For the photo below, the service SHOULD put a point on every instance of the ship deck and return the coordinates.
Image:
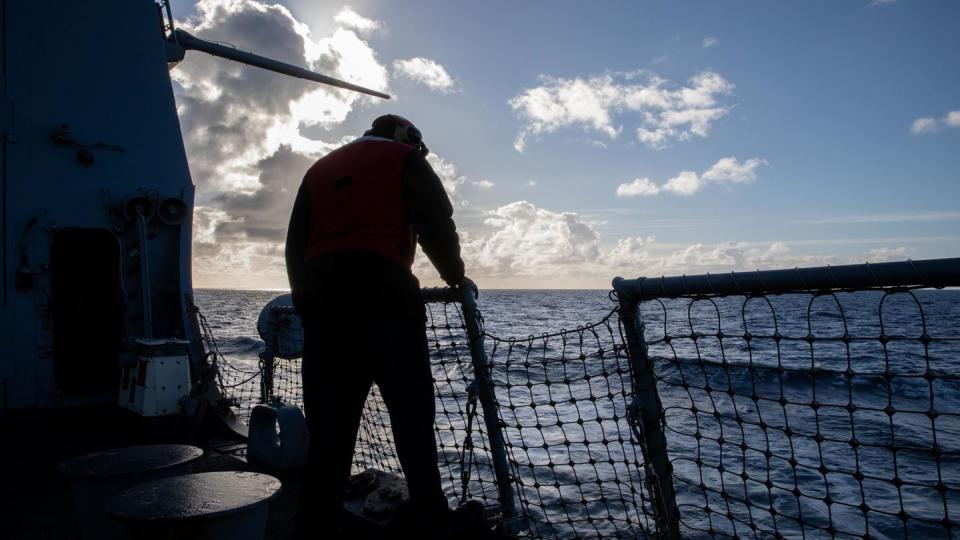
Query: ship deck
(36, 499)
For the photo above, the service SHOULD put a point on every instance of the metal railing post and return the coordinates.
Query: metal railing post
(648, 410)
(267, 361)
(266, 380)
(491, 413)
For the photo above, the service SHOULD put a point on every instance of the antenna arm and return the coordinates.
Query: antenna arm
(187, 42)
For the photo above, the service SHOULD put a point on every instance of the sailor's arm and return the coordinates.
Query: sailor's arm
(432, 215)
(296, 246)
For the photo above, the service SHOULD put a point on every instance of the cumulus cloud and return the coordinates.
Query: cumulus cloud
(665, 112)
(242, 125)
(726, 170)
(238, 236)
(710, 41)
(348, 18)
(528, 240)
(642, 256)
(233, 115)
(263, 215)
(483, 184)
(923, 125)
(532, 246)
(952, 119)
(448, 175)
(639, 256)
(639, 187)
(426, 72)
(929, 124)
(685, 183)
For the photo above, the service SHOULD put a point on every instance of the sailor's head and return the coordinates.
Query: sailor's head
(398, 128)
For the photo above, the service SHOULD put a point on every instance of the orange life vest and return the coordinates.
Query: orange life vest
(356, 201)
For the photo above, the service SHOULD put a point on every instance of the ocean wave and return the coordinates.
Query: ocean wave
(240, 345)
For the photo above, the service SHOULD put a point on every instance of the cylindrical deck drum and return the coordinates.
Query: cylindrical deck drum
(96, 477)
(227, 505)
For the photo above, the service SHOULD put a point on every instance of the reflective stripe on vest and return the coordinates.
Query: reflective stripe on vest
(356, 201)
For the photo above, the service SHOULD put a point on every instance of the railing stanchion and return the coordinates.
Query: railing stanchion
(491, 413)
(649, 410)
(267, 365)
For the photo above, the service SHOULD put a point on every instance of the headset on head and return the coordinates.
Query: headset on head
(404, 132)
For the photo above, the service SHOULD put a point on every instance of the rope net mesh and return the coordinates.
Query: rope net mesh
(238, 384)
(810, 415)
(463, 450)
(563, 404)
(798, 415)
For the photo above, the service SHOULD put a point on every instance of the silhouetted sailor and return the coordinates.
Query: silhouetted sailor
(358, 216)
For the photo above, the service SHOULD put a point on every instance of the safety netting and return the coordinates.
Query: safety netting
(564, 400)
(811, 415)
(801, 415)
(238, 385)
(463, 450)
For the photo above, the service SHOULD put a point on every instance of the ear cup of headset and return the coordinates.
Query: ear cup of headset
(414, 136)
(409, 134)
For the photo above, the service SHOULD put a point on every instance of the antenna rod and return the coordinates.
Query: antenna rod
(190, 42)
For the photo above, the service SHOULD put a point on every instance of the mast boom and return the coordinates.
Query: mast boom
(191, 43)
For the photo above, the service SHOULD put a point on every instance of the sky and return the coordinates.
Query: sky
(579, 141)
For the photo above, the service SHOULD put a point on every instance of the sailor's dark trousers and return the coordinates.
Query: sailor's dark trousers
(341, 358)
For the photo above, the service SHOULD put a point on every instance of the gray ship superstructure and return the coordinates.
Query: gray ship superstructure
(97, 200)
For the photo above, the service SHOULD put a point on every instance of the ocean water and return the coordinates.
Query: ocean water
(233, 313)
(792, 415)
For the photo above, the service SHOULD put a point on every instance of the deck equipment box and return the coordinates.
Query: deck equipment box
(159, 381)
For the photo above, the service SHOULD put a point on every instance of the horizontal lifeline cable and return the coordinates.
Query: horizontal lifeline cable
(937, 273)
